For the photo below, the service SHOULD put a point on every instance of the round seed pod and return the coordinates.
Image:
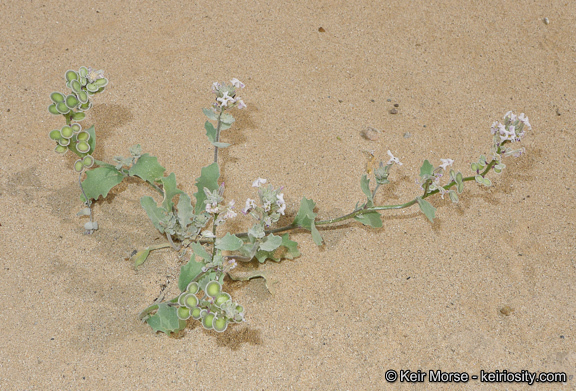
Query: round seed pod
(91, 87)
(88, 161)
(55, 135)
(196, 313)
(62, 108)
(71, 75)
(207, 321)
(83, 72)
(239, 308)
(75, 86)
(213, 288)
(183, 313)
(64, 142)
(190, 300)
(78, 166)
(83, 136)
(101, 82)
(222, 298)
(83, 147)
(72, 101)
(66, 131)
(82, 96)
(85, 106)
(220, 324)
(57, 97)
(61, 149)
(78, 116)
(193, 287)
(52, 109)
(76, 128)
(83, 81)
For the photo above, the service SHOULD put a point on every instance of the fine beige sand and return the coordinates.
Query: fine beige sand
(490, 285)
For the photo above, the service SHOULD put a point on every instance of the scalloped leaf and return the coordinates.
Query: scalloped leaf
(170, 191)
(155, 213)
(100, 181)
(371, 219)
(147, 168)
(272, 243)
(231, 242)
(208, 179)
(189, 272)
(166, 320)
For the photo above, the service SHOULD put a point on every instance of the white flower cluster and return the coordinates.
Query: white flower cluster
(273, 204)
(226, 94)
(214, 206)
(512, 129)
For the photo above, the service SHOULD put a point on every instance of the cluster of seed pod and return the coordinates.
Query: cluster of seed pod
(215, 310)
(82, 84)
(73, 137)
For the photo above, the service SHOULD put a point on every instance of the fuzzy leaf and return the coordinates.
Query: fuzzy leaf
(209, 179)
(426, 169)
(371, 219)
(220, 145)
(201, 252)
(305, 219)
(189, 272)
(140, 257)
(255, 274)
(227, 118)
(262, 256)
(427, 208)
(185, 210)
(272, 243)
(166, 320)
(365, 185)
(155, 214)
(170, 191)
(229, 243)
(147, 168)
(210, 131)
(100, 181)
(210, 114)
(291, 247)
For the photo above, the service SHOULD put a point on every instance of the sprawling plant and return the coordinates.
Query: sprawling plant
(199, 228)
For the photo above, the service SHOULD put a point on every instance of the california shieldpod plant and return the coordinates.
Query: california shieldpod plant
(196, 227)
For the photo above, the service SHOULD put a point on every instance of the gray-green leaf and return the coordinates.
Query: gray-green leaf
(147, 168)
(208, 179)
(100, 181)
(229, 243)
(371, 219)
(166, 320)
(427, 208)
(272, 243)
(426, 169)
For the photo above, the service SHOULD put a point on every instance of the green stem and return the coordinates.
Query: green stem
(376, 208)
